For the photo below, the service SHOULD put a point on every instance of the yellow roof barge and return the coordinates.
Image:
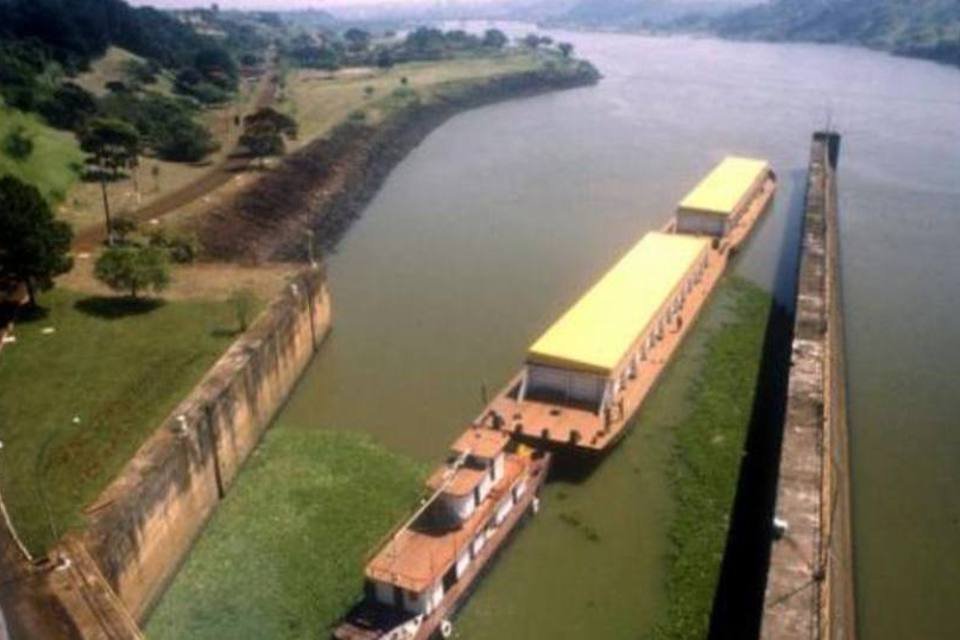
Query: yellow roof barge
(586, 377)
(583, 380)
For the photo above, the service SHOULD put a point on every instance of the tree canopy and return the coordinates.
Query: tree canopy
(264, 131)
(112, 144)
(132, 269)
(34, 245)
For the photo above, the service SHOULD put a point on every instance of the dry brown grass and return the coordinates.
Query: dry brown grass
(83, 206)
(320, 100)
(201, 281)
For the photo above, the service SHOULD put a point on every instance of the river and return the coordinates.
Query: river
(503, 215)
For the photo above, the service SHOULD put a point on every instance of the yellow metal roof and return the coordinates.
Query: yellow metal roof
(596, 332)
(724, 187)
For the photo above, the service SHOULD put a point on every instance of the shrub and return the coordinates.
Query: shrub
(18, 144)
(132, 269)
(243, 302)
(122, 227)
(182, 249)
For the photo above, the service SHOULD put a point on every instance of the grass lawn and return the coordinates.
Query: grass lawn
(283, 556)
(706, 458)
(321, 100)
(52, 166)
(76, 403)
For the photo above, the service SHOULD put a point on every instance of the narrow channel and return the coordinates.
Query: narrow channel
(505, 214)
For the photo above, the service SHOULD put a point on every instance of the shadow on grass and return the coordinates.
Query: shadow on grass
(114, 308)
(223, 332)
(22, 314)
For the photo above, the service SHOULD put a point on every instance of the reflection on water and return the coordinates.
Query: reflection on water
(504, 215)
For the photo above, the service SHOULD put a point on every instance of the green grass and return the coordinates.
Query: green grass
(118, 370)
(53, 164)
(283, 556)
(319, 100)
(111, 67)
(706, 458)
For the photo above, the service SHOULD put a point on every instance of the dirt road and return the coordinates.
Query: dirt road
(217, 176)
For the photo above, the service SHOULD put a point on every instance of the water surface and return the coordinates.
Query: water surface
(505, 214)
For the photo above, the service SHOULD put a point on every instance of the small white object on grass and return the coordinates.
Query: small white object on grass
(47, 331)
(9, 339)
(76, 419)
(154, 221)
(83, 255)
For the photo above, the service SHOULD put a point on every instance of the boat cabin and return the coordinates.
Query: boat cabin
(473, 493)
(718, 202)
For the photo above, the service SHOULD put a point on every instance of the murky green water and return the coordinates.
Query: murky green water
(506, 213)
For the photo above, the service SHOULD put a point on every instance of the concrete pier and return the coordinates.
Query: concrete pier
(809, 591)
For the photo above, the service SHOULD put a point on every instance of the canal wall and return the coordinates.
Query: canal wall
(328, 183)
(809, 589)
(141, 528)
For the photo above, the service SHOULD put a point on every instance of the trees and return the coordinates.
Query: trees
(133, 269)
(33, 245)
(566, 49)
(216, 66)
(532, 40)
(494, 39)
(112, 145)
(385, 58)
(69, 107)
(264, 131)
(165, 124)
(358, 39)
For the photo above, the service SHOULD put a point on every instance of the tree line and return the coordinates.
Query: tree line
(330, 50)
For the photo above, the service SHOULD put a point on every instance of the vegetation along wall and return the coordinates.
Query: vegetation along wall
(143, 525)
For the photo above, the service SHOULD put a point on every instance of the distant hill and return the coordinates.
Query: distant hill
(74, 32)
(640, 14)
(921, 28)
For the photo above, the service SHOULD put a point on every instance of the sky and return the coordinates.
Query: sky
(287, 4)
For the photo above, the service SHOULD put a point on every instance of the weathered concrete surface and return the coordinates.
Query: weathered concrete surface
(809, 592)
(98, 583)
(142, 526)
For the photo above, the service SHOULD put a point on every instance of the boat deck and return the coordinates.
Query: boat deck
(371, 620)
(564, 426)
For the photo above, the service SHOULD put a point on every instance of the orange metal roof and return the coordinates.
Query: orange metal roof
(415, 560)
(461, 482)
(482, 443)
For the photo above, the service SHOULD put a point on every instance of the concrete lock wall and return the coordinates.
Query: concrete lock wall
(142, 526)
(810, 583)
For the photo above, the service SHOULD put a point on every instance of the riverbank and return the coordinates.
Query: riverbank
(326, 184)
(283, 556)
